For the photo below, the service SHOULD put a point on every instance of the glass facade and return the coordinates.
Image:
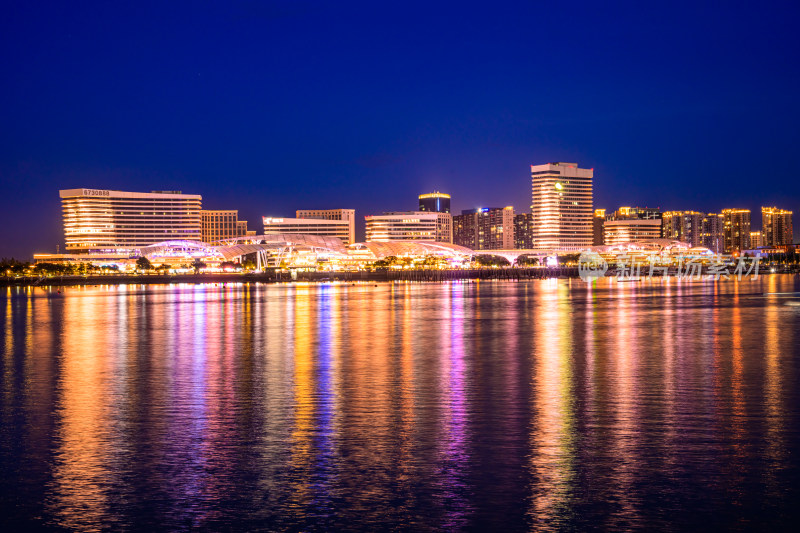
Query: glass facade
(435, 202)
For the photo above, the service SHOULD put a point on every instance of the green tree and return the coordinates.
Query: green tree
(13, 267)
(52, 269)
(144, 263)
(527, 260)
(491, 260)
(197, 265)
(564, 259)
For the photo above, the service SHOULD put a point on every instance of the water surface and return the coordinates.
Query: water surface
(546, 404)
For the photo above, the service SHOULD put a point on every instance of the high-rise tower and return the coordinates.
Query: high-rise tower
(561, 205)
(435, 202)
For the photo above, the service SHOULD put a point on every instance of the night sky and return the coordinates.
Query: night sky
(272, 107)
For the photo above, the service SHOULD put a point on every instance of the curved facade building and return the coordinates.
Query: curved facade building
(99, 219)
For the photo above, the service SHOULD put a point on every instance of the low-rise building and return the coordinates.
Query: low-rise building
(631, 230)
(409, 226)
(344, 215)
(340, 229)
(221, 224)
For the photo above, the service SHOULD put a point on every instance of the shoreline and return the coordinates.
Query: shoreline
(512, 274)
(508, 274)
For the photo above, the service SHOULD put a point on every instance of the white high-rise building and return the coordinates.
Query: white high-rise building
(561, 206)
(106, 220)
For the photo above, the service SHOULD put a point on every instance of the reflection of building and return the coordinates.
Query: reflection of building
(348, 215)
(736, 229)
(598, 220)
(308, 226)
(685, 226)
(485, 228)
(435, 202)
(523, 231)
(776, 227)
(97, 219)
(631, 230)
(409, 226)
(217, 225)
(561, 204)
(712, 233)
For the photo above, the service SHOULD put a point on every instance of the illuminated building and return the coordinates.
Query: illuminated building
(485, 228)
(105, 220)
(523, 231)
(444, 227)
(630, 230)
(435, 202)
(712, 232)
(348, 215)
(644, 213)
(598, 222)
(218, 225)
(776, 226)
(409, 226)
(341, 229)
(657, 251)
(684, 226)
(755, 239)
(736, 229)
(561, 205)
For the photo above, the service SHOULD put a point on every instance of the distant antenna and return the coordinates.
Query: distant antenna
(57, 245)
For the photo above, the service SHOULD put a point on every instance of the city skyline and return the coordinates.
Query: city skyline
(409, 204)
(99, 221)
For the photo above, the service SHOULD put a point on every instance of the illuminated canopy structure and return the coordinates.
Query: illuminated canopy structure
(381, 250)
(664, 248)
(180, 249)
(281, 243)
(310, 251)
(660, 246)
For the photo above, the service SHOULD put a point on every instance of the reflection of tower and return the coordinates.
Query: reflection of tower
(302, 436)
(435, 202)
(553, 433)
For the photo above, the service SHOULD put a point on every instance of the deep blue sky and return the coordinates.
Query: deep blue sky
(270, 107)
